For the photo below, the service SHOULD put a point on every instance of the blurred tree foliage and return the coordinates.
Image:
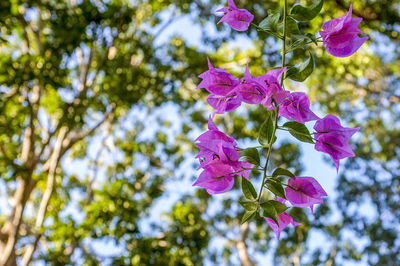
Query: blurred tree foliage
(90, 82)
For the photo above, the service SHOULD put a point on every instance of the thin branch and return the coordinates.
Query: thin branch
(171, 19)
(241, 246)
(53, 164)
(73, 138)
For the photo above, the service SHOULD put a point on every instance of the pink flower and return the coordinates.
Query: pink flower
(216, 178)
(221, 85)
(250, 90)
(238, 19)
(304, 191)
(215, 145)
(297, 107)
(340, 35)
(332, 138)
(223, 104)
(262, 89)
(219, 157)
(284, 220)
(217, 81)
(274, 91)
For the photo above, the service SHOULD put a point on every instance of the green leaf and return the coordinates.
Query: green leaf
(279, 207)
(268, 210)
(249, 205)
(275, 186)
(312, 38)
(280, 171)
(248, 190)
(292, 28)
(302, 71)
(270, 23)
(250, 155)
(299, 131)
(247, 216)
(301, 13)
(300, 41)
(266, 131)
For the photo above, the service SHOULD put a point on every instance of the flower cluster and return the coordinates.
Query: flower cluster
(219, 154)
(219, 157)
(228, 92)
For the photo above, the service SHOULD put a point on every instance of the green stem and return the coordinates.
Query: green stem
(268, 154)
(297, 132)
(284, 38)
(277, 107)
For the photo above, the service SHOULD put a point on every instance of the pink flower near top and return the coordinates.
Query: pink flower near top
(332, 138)
(297, 107)
(304, 191)
(221, 85)
(250, 90)
(263, 89)
(284, 220)
(238, 19)
(340, 35)
(223, 104)
(217, 81)
(274, 91)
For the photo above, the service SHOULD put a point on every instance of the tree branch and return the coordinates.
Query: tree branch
(53, 163)
(241, 246)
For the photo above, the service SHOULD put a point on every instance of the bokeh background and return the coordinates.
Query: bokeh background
(99, 110)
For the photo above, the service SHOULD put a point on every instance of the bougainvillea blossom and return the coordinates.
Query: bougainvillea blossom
(274, 91)
(297, 107)
(332, 138)
(219, 157)
(223, 104)
(284, 220)
(214, 144)
(250, 90)
(216, 178)
(340, 35)
(217, 81)
(304, 191)
(238, 19)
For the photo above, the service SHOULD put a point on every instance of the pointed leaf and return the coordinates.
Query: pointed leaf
(266, 130)
(248, 190)
(299, 131)
(249, 205)
(270, 23)
(279, 207)
(275, 186)
(250, 155)
(292, 28)
(268, 210)
(302, 71)
(247, 216)
(312, 38)
(301, 13)
(280, 171)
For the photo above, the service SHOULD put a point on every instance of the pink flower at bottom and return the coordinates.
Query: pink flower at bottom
(284, 220)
